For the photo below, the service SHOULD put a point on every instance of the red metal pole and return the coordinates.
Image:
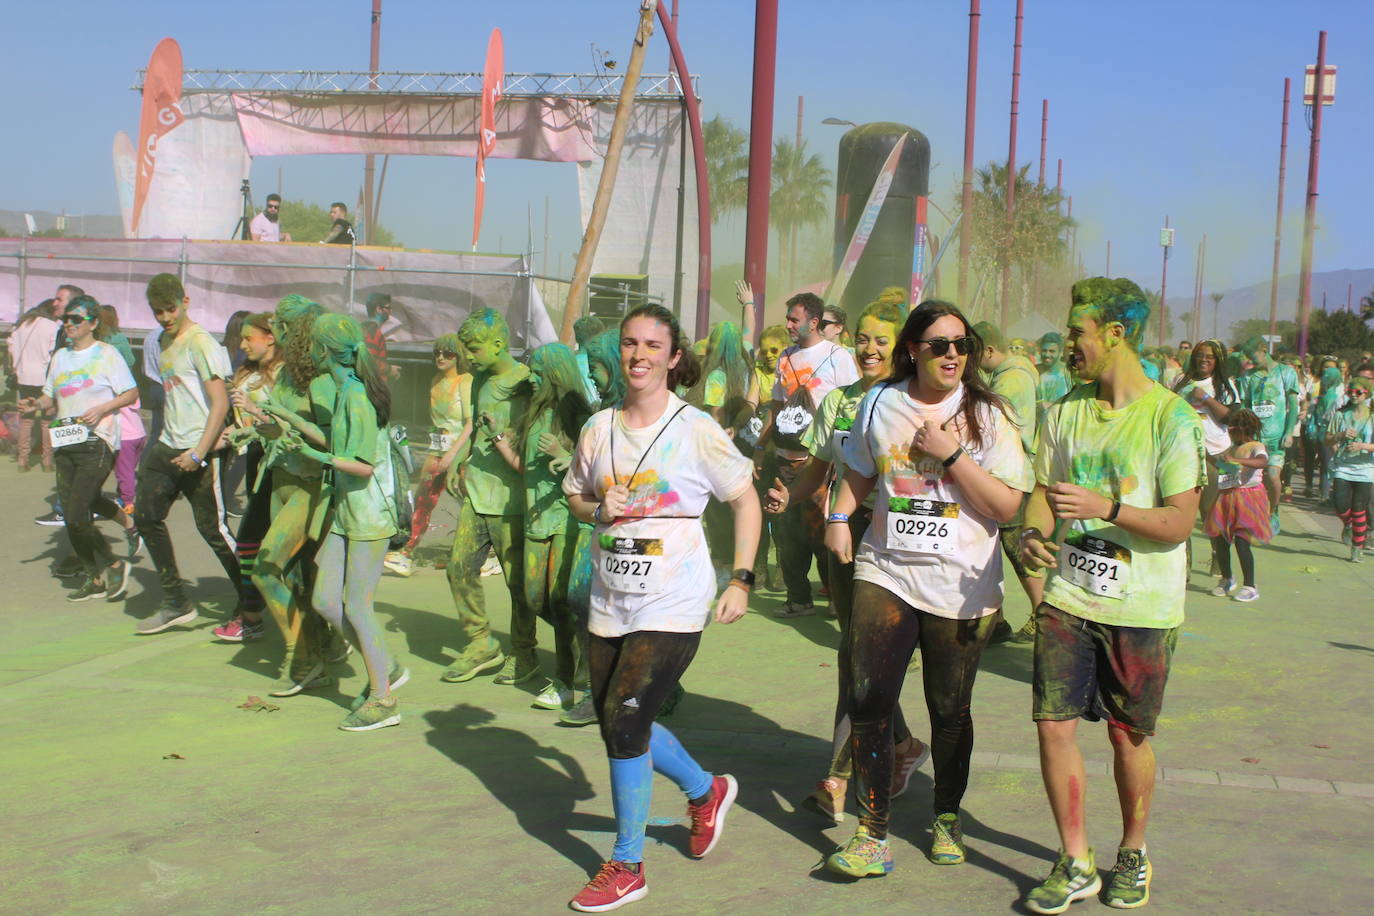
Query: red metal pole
(760, 154)
(1163, 287)
(1044, 136)
(1059, 180)
(1310, 218)
(703, 323)
(966, 200)
(1278, 218)
(370, 162)
(1011, 155)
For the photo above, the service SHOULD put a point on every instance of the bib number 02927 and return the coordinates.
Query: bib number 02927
(634, 566)
(922, 525)
(1096, 565)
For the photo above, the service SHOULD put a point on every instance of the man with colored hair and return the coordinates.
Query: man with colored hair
(490, 516)
(184, 461)
(1270, 391)
(1119, 471)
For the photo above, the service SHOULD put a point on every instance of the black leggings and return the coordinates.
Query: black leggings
(1221, 549)
(631, 677)
(884, 632)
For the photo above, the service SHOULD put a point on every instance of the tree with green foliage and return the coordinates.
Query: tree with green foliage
(798, 199)
(1340, 332)
(727, 166)
(307, 222)
(1247, 328)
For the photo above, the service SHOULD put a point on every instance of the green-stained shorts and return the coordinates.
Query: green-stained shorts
(1275, 449)
(1098, 671)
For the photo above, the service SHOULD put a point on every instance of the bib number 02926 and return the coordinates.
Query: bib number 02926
(634, 566)
(1096, 565)
(922, 525)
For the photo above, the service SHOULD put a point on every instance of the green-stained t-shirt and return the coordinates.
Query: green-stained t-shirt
(492, 486)
(317, 406)
(546, 508)
(1265, 391)
(1347, 463)
(185, 365)
(1017, 383)
(826, 436)
(1054, 383)
(1143, 453)
(361, 512)
(714, 394)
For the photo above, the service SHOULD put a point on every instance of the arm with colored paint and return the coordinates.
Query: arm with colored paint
(308, 430)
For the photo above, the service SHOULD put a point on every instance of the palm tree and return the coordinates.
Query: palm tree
(799, 198)
(727, 166)
(1216, 313)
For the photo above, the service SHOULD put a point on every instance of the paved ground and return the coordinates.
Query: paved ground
(135, 784)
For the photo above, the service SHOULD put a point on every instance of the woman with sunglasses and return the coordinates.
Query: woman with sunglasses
(948, 466)
(1351, 438)
(450, 416)
(88, 383)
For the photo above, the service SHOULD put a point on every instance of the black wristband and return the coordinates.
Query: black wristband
(953, 458)
(1116, 510)
(744, 577)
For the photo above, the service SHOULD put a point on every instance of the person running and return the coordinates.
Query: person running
(183, 461)
(1270, 391)
(88, 384)
(450, 417)
(642, 473)
(948, 467)
(361, 518)
(1240, 512)
(1118, 475)
(825, 438)
(249, 389)
(1351, 438)
(540, 449)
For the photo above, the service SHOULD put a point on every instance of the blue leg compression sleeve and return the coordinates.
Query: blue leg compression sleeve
(631, 788)
(672, 760)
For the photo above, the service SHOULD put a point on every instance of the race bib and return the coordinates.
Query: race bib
(922, 525)
(634, 566)
(840, 436)
(1228, 475)
(72, 432)
(1096, 565)
(440, 441)
(1265, 411)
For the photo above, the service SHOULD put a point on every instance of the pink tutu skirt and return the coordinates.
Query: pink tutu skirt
(1241, 512)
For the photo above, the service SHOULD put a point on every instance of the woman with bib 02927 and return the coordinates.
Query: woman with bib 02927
(642, 473)
(949, 468)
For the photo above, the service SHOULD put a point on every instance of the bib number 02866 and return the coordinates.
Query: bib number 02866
(69, 432)
(922, 525)
(634, 566)
(1096, 565)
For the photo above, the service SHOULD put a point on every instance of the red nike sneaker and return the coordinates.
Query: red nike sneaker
(614, 886)
(708, 820)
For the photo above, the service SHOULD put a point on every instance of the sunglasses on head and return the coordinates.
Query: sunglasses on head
(446, 354)
(940, 345)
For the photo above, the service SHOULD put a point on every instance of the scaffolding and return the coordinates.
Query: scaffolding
(363, 82)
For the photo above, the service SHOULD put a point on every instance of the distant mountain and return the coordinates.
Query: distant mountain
(1253, 301)
(89, 225)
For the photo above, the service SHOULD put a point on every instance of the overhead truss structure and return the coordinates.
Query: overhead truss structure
(363, 82)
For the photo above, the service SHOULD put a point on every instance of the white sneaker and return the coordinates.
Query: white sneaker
(492, 567)
(1247, 593)
(555, 695)
(1223, 588)
(397, 563)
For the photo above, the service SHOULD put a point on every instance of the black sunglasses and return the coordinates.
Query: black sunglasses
(940, 345)
(75, 319)
(446, 354)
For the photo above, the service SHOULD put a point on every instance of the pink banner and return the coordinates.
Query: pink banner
(545, 129)
(161, 92)
(491, 94)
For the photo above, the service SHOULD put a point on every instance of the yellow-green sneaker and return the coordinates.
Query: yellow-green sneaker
(1129, 886)
(375, 713)
(946, 840)
(862, 856)
(1067, 882)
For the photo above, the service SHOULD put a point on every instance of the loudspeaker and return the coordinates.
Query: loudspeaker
(613, 295)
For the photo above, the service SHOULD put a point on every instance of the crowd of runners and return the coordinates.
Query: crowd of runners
(636, 487)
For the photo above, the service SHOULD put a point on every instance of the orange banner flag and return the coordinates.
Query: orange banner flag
(493, 76)
(161, 95)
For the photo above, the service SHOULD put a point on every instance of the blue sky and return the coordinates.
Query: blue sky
(1161, 107)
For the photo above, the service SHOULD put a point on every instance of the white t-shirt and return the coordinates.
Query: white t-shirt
(652, 570)
(264, 229)
(821, 368)
(185, 365)
(927, 544)
(81, 379)
(1215, 437)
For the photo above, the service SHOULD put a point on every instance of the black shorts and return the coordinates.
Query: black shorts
(1098, 671)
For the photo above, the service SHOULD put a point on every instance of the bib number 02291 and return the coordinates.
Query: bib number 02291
(634, 566)
(922, 525)
(1096, 565)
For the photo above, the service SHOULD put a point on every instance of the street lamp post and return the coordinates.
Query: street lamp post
(1166, 241)
(1323, 94)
